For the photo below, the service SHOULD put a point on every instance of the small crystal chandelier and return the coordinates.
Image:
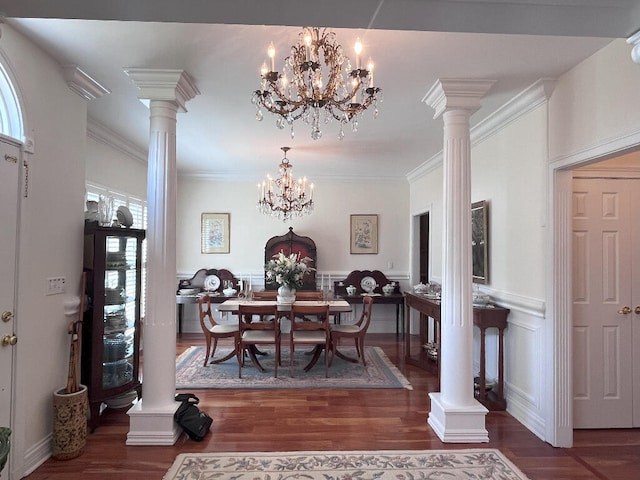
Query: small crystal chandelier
(285, 197)
(317, 84)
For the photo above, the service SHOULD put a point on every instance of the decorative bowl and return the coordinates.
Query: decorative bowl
(481, 299)
(421, 288)
(188, 291)
(229, 292)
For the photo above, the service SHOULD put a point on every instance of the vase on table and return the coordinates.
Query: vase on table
(286, 294)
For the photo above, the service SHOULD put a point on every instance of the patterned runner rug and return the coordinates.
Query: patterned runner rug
(379, 372)
(475, 464)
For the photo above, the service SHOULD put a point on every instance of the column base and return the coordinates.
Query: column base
(455, 424)
(152, 426)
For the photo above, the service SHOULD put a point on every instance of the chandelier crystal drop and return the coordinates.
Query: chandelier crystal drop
(284, 197)
(317, 84)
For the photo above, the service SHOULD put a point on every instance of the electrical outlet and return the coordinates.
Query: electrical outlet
(55, 285)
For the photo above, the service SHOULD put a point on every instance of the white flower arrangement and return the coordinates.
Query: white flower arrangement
(288, 269)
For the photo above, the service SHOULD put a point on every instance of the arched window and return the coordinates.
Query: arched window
(11, 123)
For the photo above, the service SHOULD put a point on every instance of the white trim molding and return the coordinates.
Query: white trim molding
(82, 84)
(102, 134)
(535, 95)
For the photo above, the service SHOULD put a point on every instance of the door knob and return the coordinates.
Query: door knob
(9, 340)
(7, 316)
(624, 311)
(638, 310)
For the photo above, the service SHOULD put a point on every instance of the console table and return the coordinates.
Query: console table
(182, 300)
(379, 297)
(197, 282)
(483, 318)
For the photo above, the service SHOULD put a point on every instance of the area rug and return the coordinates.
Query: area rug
(379, 372)
(400, 465)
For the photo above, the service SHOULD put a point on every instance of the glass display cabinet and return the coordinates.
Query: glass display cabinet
(111, 326)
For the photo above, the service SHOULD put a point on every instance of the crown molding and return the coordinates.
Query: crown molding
(530, 98)
(244, 177)
(82, 84)
(425, 168)
(102, 134)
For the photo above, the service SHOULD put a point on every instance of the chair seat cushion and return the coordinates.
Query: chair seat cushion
(225, 328)
(345, 328)
(317, 336)
(259, 336)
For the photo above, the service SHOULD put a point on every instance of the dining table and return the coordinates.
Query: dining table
(336, 307)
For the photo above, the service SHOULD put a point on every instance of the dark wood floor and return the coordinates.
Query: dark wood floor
(288, 420)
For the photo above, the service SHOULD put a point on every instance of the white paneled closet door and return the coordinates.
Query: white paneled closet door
(9, 182)
(606, 303)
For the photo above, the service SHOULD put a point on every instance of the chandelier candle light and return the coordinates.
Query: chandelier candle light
(285, 197)
(317, 82)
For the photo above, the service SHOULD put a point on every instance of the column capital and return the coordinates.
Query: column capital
(456, 93)
(635, 51)
(163, 84)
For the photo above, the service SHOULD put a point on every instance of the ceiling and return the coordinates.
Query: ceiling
(222, 44)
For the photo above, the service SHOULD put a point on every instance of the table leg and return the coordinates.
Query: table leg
(252, 354)
(316, 355)
(180, 315)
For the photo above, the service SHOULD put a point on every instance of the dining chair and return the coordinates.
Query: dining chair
(265, 295)
(310, 326)
(356, 331)
(309, 295)
(213, 331)
(264, 331)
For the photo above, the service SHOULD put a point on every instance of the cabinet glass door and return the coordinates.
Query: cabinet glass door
(119, 310)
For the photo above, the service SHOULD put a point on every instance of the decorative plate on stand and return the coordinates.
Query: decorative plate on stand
(211, 283)
(368, 284)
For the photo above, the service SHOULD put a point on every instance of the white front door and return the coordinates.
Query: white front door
(606, 283)
(9, 179)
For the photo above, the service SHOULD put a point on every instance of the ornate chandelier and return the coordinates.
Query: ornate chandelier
(317, 84)
(285, 197)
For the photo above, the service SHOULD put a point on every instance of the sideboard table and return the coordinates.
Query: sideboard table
(483, 317)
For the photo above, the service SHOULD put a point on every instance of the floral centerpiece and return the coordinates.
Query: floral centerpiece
(288, 271)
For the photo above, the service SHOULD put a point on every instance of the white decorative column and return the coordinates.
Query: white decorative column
(456, 416)
(151, 418)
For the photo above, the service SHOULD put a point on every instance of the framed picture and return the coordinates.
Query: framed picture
(215, 233)
(480, 242)
(364, 234)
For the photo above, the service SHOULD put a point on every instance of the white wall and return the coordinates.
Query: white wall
(595, 105)
(51, 226)
(123, 171)
(328, 226)
(508, 170)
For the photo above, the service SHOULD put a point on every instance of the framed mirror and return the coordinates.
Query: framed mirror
(480, 241)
